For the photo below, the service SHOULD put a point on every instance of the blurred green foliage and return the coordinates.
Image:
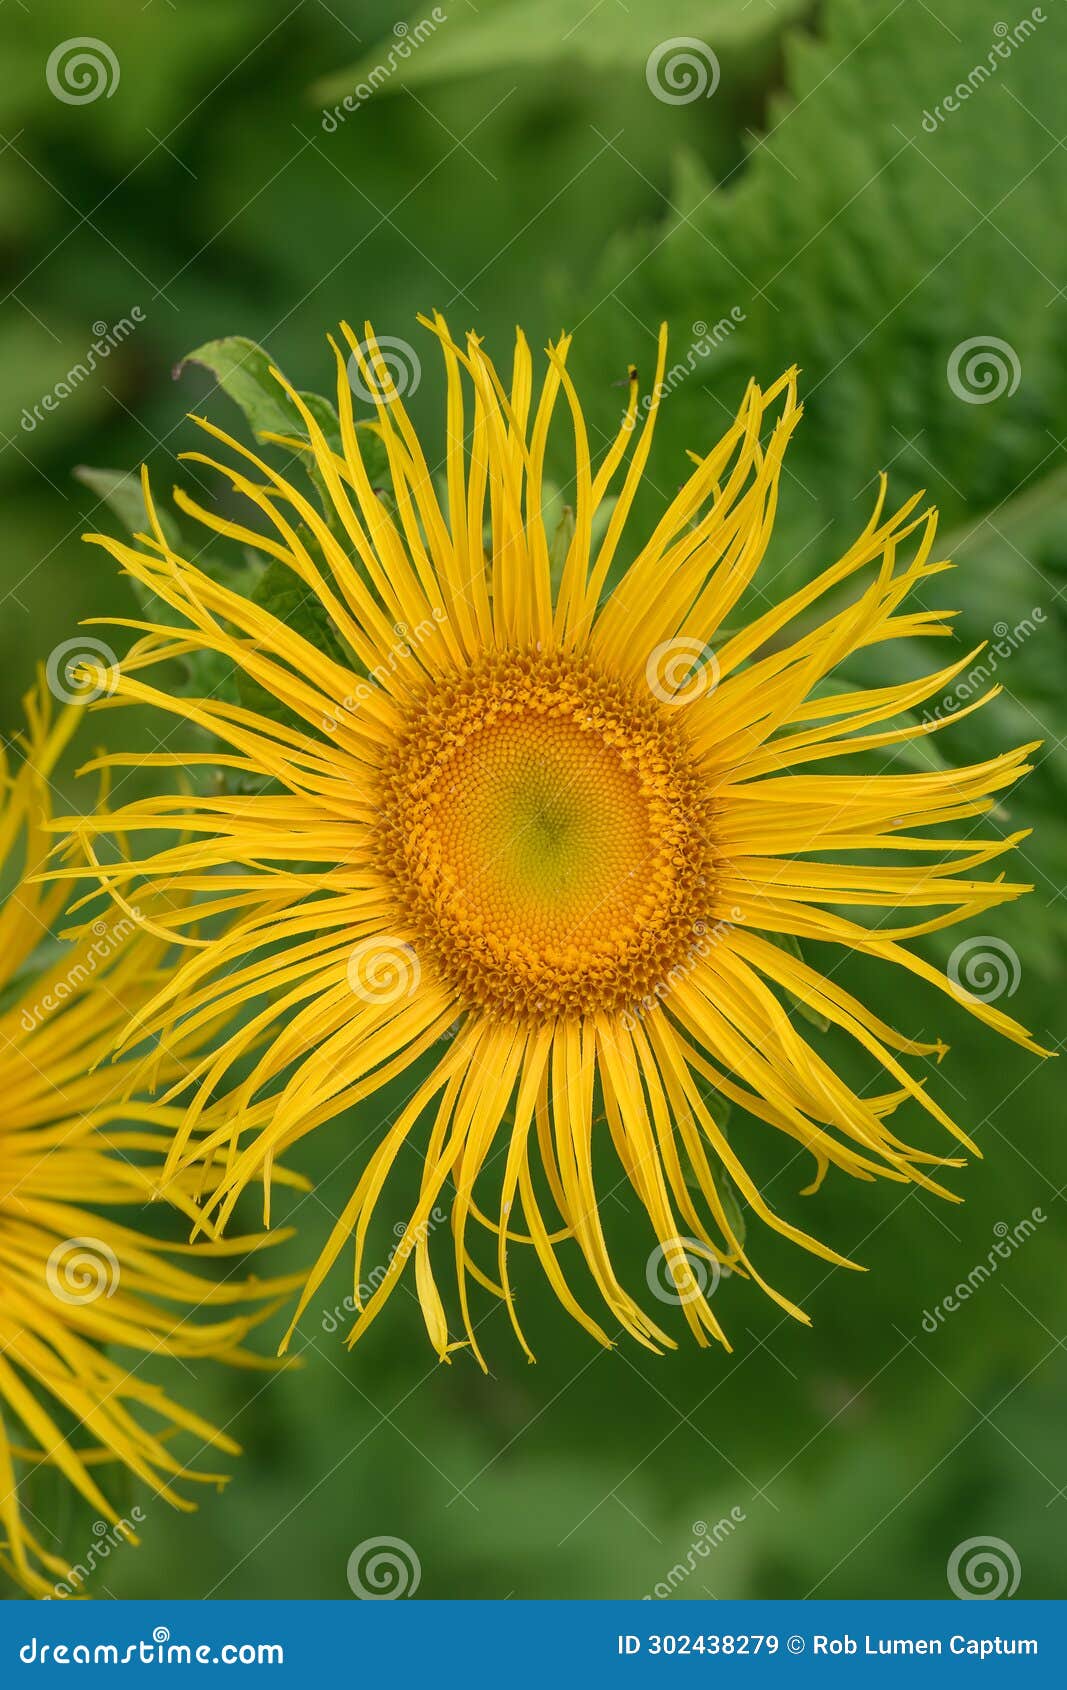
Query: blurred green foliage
(517, 167)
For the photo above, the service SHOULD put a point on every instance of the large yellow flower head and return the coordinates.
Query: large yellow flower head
(74, 1280)
(538, 832)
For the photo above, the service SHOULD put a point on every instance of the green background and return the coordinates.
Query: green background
(516, 167)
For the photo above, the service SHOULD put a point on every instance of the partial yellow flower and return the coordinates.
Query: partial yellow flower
(74, 1279)
(534, 842)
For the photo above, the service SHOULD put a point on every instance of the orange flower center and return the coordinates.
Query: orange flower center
(546, 836)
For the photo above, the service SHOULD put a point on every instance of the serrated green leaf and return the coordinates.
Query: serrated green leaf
(860, 246)
(438, 44)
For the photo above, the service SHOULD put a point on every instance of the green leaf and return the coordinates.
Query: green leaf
(860, 245)
(203, 673)
(243, 371)
(789, 942)
(503, 34)
(285, 596)
(122, 492)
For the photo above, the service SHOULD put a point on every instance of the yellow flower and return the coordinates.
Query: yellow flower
(533, 841)
(74, 1280)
